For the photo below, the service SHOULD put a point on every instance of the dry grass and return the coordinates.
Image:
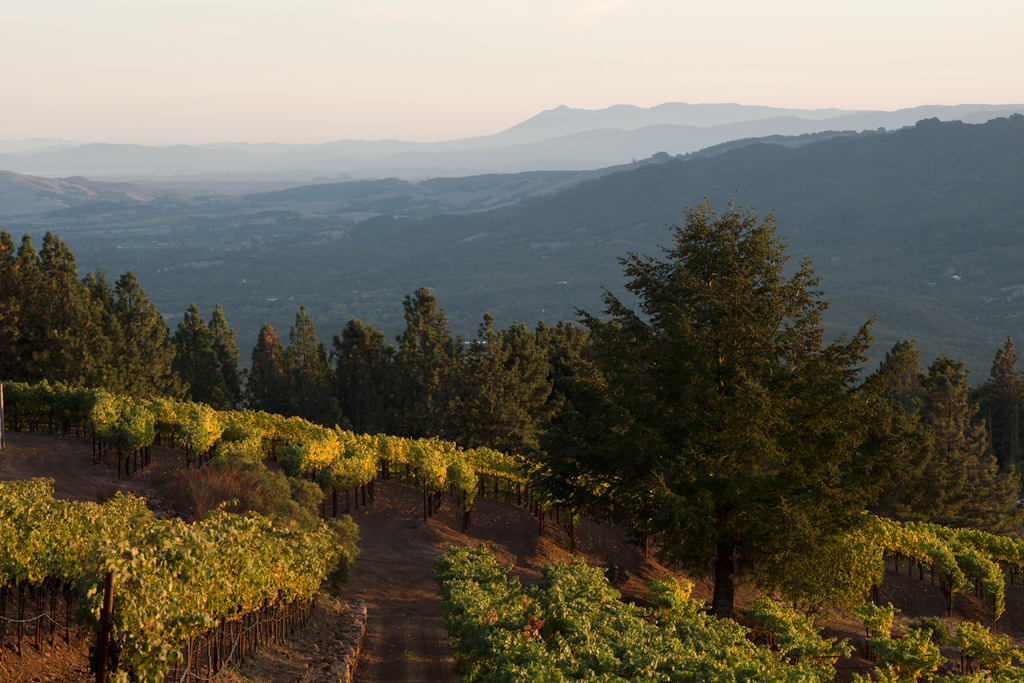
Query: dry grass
(197, 492)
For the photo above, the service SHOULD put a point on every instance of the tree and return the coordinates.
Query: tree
(905, 495)
(226, 350)
(426, 368)
(309, 373)
(966, 487)
(363, 371)
(196, 362)
(267, 380)
(717, 416)
(10, 307)
(146, 353)
(503, 387)
(1006, 394)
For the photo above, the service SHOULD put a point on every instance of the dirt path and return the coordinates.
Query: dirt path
(405, 636)
(66, 460)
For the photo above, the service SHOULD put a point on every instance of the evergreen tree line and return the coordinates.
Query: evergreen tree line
(95, 333)
(498, 389)
(513, 389)
(964, 466)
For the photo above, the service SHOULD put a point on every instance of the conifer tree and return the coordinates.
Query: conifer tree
(10, 307)
(503, 389)
(146, 353)
(66, 323)
(267, 379)
(309, 373)
(226, 349)
(110, 339)
(196, 362)
(716, 415)
(904, 496)
(1006, 389)
(427, 366)
(364, 372)
(965, 487)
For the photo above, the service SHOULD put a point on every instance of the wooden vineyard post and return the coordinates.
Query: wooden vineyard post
(3, 437)
(3, 619)
(106, 621)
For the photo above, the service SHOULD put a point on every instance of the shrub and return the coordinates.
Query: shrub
(939, 629)
(106, 491)
(347, 534)
(195, 493)
(615, 573)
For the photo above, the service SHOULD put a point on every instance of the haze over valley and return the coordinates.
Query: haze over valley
(921, 225)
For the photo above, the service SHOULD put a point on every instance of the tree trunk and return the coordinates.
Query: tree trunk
(725, 582)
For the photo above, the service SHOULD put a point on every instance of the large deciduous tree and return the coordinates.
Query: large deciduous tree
(716, 415)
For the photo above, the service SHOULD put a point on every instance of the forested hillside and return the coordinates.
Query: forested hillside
(921, 227)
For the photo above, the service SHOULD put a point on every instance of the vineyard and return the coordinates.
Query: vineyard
(578, 629)
(153, 563)
(188, 598)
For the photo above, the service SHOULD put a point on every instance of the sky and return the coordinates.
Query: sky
(308, 71)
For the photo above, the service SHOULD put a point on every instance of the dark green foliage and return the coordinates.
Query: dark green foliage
(297, 380)
(425, 386)
(899, 380)
(939, 629)
(267, 381)
(615, 573)
(309, 375)
(145, 353)
(504, 387)
(964, 486)
(227, 355)
(363, 372)
(196, 362)
(717, 415)
(1005, 393)
(80, 332)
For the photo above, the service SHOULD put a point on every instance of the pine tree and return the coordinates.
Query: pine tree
(109, 341)
(226, 349)
(503, 388)
(146, 353)
(965, 487)
(899, 381)
(66, 317)
(1006, 395)
(268, 376)
(716, 415)
(196, 362)
(309, 373)
(364, 373)
(427, 366)
(10, 307)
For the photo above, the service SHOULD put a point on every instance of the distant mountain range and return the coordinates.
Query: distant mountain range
(922, 227)
(562, 139)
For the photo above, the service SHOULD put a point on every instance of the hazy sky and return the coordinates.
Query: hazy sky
(192, 71)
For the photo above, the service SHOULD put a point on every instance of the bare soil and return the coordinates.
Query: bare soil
(405, 637)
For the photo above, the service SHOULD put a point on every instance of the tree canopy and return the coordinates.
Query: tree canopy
(716, 416)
